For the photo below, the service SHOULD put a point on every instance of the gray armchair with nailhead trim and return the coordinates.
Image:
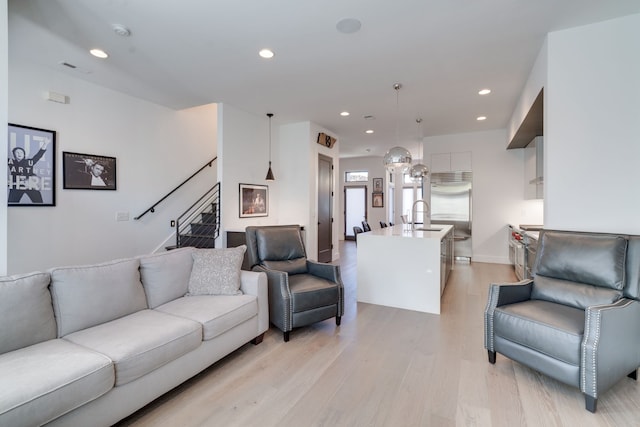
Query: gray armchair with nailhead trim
(578, 319)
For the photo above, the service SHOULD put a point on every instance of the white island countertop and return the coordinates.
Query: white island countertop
(401, 268)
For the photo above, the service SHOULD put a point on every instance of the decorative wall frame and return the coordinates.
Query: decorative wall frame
(88, 172)
(254, 200)
(377, 200)
(31, 166)
(377, 185)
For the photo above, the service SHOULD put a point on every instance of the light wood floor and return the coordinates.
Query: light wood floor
(385, 367)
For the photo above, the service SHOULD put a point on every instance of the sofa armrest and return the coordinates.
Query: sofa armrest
(611, 345)
(255, 283)
(503, 294)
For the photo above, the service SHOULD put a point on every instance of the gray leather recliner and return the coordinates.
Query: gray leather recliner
(578, 319)
(301, 292)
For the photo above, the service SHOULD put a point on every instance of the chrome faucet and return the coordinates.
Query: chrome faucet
(426, 214)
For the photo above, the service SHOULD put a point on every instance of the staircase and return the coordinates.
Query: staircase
(199, 226)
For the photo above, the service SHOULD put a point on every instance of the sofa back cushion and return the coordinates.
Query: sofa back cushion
(165, 276)
(89, 295)
(26, 313)
(579, 269)
(282, 249)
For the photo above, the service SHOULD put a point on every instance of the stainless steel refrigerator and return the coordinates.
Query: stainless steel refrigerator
(451, 203)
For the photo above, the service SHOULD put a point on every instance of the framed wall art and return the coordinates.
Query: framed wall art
(88, 172)
(31, 166)
(378, 200)
(377, 185)
(254, 200)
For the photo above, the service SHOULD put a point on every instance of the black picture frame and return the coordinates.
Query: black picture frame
(254, 200)
(31, 166)
(88, 172)
(377, 201)
(377, 185)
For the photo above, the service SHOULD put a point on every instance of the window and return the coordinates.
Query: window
(356, 176)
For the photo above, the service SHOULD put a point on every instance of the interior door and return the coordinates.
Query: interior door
(325, 196)
(355, 209)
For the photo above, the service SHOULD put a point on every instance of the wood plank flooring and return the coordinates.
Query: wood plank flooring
(385, 367)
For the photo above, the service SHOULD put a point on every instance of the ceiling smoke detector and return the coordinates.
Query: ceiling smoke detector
(348, 25)
(121, 30)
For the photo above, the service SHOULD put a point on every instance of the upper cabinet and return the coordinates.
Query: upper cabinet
(533, 169)
(451, 162)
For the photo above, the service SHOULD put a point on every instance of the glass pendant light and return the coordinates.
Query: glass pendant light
(397, 158)
(270, 176)
(419, 170)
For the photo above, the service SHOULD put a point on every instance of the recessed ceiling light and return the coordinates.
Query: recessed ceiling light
(484, 92)
(348, 25)
(266, 53)
(481, 118)
(99, 53)
(368, 131)
(344, 113)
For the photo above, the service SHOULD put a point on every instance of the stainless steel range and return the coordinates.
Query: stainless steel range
(517, 252)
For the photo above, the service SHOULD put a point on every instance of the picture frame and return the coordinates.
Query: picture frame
(377, 201)
(88, 172)
(31, 166)
(254, 200)
(377, 185)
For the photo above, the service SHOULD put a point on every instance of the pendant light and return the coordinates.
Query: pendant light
(419, 170)
(397, 158)
(269, 172)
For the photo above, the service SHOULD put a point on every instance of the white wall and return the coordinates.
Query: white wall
(4, 118)
(376, 170)
(156, 149)
(498, 189)
(592, 128)
(244, 150)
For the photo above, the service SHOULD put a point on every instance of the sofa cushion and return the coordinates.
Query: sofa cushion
(45, 380)
(546, 327)
(597, 260)
(216, 271)
(165, 275)
(217, 314)
(26, 313)
(141, 342)
(310, 292)
(90, 295)
(281, 248)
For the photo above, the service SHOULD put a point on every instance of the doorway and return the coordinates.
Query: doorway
(355, 209)
(325, 208)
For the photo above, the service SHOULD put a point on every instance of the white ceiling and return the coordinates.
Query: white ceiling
(192, 52)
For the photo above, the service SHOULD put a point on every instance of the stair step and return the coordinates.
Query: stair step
(197, 240)
(208, 217)
(203, 228)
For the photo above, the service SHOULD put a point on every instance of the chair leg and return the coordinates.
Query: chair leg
(338, 318)
(492, 357)
(633, 375)
(591, 403)
(286, 336)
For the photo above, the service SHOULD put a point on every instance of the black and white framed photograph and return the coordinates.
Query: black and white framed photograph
(254, 200)
(88, 172)
(31, 168)
(377, 185)
(377, 200)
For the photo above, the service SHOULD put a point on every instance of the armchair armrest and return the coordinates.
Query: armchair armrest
(503, 294)
(611, 345)
(326, 271)
(279, 296)
(255, 283)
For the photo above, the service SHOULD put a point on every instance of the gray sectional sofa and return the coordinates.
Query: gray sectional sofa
(90, 345)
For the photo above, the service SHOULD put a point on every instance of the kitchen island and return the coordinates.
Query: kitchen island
(406, 269)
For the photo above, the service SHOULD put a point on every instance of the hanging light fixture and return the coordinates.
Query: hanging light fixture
(269, 172)
(419, 170)
(397, 158)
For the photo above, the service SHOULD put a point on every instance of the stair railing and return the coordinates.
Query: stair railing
(153, 207)
(208, 204)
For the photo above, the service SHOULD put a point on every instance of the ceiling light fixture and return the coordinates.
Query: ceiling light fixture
(269, 172)
(419, 170)
(484, 92)
(397, 158)
(344, 113)
(368, 131)
(266, 53)
(99, 53)
(481, 118)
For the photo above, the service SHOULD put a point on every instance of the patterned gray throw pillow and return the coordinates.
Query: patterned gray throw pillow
(216, 271)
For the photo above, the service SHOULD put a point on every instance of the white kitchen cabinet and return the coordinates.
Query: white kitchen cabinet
(451, 162)
(534, 169)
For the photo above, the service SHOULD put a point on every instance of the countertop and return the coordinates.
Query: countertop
(528, 227)
(400, 230)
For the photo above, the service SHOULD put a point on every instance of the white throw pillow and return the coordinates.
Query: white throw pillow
(216, 271)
